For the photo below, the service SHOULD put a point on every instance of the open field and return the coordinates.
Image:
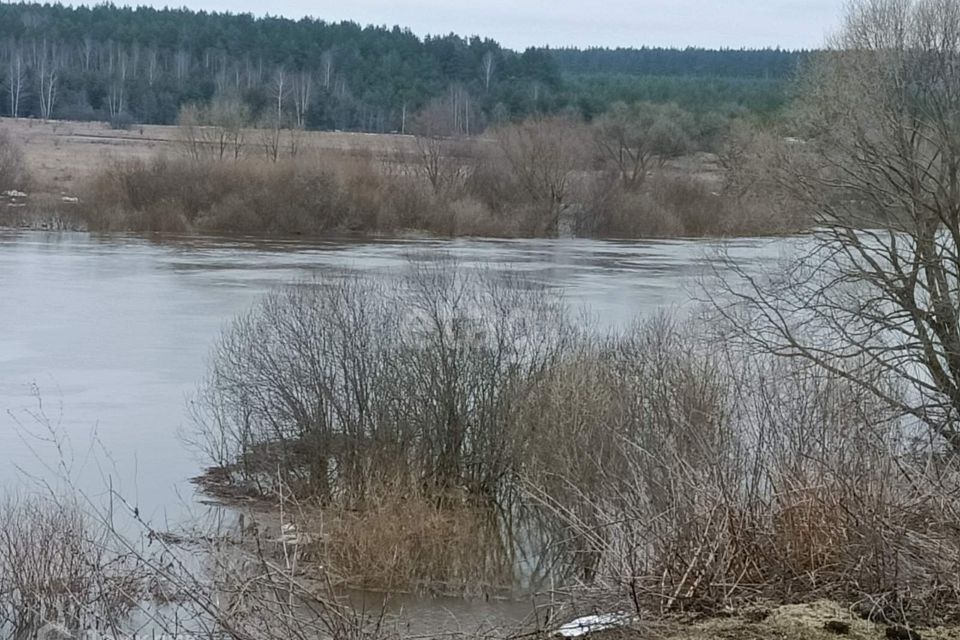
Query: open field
(61, 154)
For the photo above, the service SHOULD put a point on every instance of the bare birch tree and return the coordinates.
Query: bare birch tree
(47, 77)
(326, 69)
(279, 89)
(116, 100)
(152, 64)
(16, 79)
(302, 92)
(487, 67)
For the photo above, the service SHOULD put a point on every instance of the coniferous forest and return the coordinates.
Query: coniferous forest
(125, 65)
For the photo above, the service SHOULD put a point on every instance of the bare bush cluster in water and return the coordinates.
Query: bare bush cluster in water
(56, 566)
(349, 385)
(68, 571)
(674, 472)
(428, 431)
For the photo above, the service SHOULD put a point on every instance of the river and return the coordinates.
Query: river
(111, 333)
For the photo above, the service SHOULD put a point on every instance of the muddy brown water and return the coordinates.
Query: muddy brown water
(111, 334)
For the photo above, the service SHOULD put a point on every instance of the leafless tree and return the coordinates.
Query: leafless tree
(217, 130)
(181, 61)
(279, 88)
(461, 110)
(153, 64)
(190, 132)
(543, 154)
(488, 65)
(327, 68)
(415, 383)
(270, 130)
(116, 99)
(47, 75)
(302, 92)
(876, 167)
(16, 78)
(634, 138)
(228, 118)
(437, 140)
(86, 52)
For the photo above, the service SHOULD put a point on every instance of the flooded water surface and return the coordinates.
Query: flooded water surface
(103, 339)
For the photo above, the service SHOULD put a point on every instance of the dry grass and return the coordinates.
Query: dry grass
(694, 478)
(13, 168)
(399, 539)
(63, 155)
(819, 620)
(302, 196)
(534, 179)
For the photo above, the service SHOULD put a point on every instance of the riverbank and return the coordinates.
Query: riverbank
(820, 620)
(539, 179)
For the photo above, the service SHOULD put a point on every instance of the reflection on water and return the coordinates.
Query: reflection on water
(415, 616)
(114, 332)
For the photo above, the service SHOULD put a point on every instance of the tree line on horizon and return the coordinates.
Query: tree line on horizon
(124, 65)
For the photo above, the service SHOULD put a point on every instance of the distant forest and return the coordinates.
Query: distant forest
(125, 65)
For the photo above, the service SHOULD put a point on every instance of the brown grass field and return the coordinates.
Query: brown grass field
(62, 154)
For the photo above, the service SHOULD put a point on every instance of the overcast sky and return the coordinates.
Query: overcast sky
(630, 23)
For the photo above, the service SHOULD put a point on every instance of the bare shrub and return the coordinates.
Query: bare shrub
(214, 131)
(543, 154)
(697, 208)
(692, 478)
(679, 205)
(55, 567)
(287, 197)
(651, 466)
(669, 206)
(532, 179)
(492, 183)
(182, 195)
(344, 384)
(439, 147)
(283, 199)
(469, 217)
(13, 167)
(637, 138)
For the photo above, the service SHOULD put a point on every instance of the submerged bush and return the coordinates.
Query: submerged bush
(648, 464)
(346, 385)
(55, 568)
